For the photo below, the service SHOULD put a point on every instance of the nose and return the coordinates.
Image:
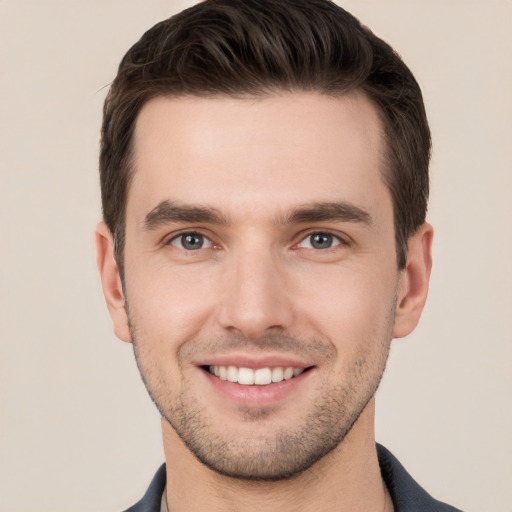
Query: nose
(256, 298)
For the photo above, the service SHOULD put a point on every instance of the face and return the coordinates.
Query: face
(260, 274)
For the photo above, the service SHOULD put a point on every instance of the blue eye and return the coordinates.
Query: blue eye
(320, 241)
(191, 241)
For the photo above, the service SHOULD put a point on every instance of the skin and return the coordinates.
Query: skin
(259, 292)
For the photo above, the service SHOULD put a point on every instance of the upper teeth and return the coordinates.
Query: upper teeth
(261, 376)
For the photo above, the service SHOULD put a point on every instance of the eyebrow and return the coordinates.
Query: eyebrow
(330, 211)
(167, 212)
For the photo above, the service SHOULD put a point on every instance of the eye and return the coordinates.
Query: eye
(320, 241)
(191, 241)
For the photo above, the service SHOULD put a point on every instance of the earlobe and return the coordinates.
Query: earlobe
(111, 281)
(414, 281)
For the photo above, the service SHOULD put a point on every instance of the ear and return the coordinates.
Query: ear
(414, 279)
(111, 281)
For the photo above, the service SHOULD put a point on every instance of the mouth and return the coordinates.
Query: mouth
(255, 376)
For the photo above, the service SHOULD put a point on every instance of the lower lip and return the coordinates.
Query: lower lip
(255, 395)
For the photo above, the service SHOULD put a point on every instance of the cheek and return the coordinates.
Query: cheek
(170, 303)
(350, 306)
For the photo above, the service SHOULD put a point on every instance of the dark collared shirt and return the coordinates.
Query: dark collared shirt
(406, 494)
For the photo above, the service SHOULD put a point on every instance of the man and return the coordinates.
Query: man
(264, 174)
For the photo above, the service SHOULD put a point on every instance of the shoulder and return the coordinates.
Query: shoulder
(406, 494)
(151, 501)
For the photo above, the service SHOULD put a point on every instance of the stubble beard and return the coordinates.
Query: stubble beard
(287, 451)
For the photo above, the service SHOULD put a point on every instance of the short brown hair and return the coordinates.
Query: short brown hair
(255, 47)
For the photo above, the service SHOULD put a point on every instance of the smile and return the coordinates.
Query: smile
(258, 377)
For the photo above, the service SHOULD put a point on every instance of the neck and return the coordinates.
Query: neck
(347, 479)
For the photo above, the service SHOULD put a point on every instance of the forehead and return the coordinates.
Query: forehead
(280, 150)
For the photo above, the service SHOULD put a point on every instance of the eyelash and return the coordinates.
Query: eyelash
(190, 234)
(336, 240)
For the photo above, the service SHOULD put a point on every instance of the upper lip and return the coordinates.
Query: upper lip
(254, 362)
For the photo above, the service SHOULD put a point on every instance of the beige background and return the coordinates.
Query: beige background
(77, 431)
